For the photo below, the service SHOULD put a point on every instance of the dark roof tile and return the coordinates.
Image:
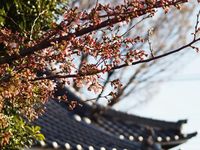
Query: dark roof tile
(110, 129)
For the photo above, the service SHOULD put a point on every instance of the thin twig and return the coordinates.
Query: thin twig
(135, 25)
(34, 23)
(149, 42)
(196, 26)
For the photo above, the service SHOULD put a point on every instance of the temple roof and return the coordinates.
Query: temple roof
(100, 128)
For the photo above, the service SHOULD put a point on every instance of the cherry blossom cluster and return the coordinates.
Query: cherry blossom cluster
(90, 34)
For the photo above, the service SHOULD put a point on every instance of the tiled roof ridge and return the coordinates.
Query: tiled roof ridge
(136, 119)
(176, 142)
(128, 118)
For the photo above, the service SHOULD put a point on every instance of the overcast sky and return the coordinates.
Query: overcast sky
(178, 99)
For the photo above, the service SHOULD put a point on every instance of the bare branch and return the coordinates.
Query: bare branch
(196, 25)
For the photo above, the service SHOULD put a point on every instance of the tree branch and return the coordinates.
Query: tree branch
(109, 22)
(123, 65)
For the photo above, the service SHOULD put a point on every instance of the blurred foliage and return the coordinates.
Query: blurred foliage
(15, 132)
(25, 17)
